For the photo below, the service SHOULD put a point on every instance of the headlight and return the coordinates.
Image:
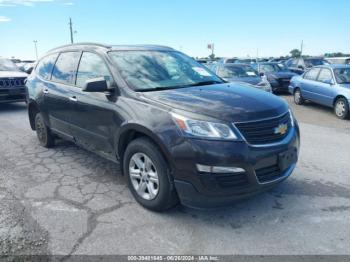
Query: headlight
(203, 129)
(272, 78)
(291, 117)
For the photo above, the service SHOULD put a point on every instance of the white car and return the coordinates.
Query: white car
(12, 82)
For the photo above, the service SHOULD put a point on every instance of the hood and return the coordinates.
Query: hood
(283, 74)
(253, 80)
(226, 102)
(345, 85)
(6, 74)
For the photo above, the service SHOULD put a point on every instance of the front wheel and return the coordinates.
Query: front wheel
(43, 133)
(341, 108)
(298, 98)
(148, 176)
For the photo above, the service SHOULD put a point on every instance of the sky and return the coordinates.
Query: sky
(237, 27)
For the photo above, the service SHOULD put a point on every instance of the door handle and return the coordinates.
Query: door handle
(73, 99)
(46, 91)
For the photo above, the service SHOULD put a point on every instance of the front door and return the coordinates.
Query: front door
(324, 89)
(94, 117)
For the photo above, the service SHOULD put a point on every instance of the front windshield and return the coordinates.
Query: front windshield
(342, 75)
(157, 70)
(269, 68)
(7, 65)
(237, 71)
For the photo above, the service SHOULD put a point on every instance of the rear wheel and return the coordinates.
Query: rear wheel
(45, 137)
(298, 98)
(341, 108)
(148, 176)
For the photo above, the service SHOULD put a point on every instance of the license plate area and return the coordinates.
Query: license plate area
(286, 159)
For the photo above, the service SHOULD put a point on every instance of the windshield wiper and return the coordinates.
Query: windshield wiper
(159, 88)
(205, 83)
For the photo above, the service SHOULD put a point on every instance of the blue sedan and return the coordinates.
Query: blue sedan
(327, 85)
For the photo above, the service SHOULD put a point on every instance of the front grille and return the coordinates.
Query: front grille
(268, 174)
(232, 180)
(265, 131)
(11, 82)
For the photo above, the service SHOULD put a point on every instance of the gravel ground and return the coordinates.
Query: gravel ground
(67, 201)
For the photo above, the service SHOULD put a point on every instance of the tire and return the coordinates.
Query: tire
(298, 98)
(45, 137)
(341, 108)
(148, 176)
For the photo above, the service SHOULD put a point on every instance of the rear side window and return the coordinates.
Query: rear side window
(312, 74)
(45, 66)
(92, 66)
(65, 67)
(325, 75)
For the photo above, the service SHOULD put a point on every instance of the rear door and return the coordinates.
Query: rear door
(308, 83)
(58, 96)
(94, 113)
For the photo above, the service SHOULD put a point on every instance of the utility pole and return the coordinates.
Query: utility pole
(71, 30)
(301, 48)
(36, 49)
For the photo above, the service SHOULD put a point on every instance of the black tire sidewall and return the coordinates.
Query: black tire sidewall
(49, 141)
(165, 195)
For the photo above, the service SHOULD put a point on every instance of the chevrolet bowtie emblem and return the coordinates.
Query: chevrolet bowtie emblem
(281, 129)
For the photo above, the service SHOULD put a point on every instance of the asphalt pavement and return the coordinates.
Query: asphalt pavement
(67, 201)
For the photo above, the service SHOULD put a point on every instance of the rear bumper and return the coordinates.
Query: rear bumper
(12, 95)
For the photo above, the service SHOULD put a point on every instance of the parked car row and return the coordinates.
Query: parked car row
(327, 85)
(241, 73)
(180, 132)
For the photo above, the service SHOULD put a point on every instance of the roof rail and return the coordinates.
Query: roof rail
(82, 43)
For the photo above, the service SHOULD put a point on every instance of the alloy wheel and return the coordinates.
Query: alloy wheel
(340, 108)
(144, 176)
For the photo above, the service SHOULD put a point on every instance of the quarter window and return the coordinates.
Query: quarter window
(312, 74)
(65, 67)
(92, 66)
(325, 75)
(45, 66)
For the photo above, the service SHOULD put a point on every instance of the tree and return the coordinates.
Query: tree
(295, 53)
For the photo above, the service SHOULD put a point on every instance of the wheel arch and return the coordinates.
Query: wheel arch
(133, 131)
(337, 97)
(33, 109)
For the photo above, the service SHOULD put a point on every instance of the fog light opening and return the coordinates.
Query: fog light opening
(219, 169)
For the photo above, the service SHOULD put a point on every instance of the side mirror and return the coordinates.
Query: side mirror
(96, 85)
(301, 67)
(328, 82)
(261, 74)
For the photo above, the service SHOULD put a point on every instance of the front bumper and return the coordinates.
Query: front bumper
(12, 94)
(261, 164)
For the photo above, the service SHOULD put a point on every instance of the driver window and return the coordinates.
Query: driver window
(312, 74)
(325, 75)
(92, 66)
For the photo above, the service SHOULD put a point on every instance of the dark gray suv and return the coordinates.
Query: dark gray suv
(179, 131)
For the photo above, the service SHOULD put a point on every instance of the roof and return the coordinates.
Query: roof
(113, 47)
(334, 66)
